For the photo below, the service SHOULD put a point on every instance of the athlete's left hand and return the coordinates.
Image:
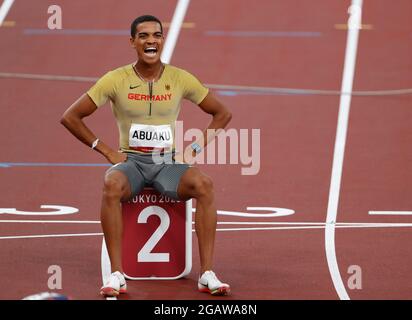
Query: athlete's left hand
(188, 156)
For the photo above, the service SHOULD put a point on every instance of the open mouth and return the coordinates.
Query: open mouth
(150, 51)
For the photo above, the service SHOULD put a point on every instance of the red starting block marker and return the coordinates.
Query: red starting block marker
(157, 238)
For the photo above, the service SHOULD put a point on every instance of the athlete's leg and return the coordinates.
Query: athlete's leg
(195, 184)
(116, 188)
(179, 181)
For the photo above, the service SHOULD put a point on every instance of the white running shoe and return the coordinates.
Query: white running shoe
(115, 285)
(209, 283)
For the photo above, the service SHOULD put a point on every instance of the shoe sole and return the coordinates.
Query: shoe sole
(222, 291)
(110, 292)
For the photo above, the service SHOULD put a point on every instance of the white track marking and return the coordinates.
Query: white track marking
(59, 210)
(273, 212)
(270, 228)
(276, 212)
(315, 227)
(4, 9)
(395, 213)
(338, 225)
(47, 77)
(338, 156)
(52, 236)
(51, 221)
(374, 225)
(346, 226)
(342, 226)
(305, 227)
(174, 30)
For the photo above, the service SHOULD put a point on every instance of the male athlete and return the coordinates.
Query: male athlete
(145, 97)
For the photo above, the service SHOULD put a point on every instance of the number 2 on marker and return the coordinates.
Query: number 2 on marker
(146, 254)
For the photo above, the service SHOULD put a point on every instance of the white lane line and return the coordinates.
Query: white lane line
(305, 227)
(47, 77)
(338, 224)
(51, 236)
(401, 213)
(220, 222)
(4, 9)
(174, 30)
(338, 156)
(270, 228)
(399, 225)
(51, 221)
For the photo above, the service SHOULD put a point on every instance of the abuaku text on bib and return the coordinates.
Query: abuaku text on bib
(147, 138)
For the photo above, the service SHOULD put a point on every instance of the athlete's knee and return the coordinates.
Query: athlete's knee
(114, 187)
(204, 186)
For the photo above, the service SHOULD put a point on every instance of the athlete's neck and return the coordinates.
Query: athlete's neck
(149, 72)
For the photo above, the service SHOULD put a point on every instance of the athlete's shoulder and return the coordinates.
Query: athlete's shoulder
(116, 77)
(192, 88)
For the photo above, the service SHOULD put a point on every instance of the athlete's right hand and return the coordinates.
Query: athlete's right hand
(116, 156)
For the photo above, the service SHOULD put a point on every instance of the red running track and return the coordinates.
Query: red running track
(297, 141)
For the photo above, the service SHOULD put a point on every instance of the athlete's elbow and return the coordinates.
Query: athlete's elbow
(223, 117)
(227, 117)
(63, 120)
(66, 119)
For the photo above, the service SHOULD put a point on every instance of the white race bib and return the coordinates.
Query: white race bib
(148, 136)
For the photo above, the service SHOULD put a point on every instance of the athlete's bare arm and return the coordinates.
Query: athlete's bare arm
(72, 119)
(221, 115)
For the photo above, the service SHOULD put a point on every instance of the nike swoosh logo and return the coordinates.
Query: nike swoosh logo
(134, 87)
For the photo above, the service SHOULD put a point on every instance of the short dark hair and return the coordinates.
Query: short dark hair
(142, 19)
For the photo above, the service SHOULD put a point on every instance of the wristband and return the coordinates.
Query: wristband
(95, 142)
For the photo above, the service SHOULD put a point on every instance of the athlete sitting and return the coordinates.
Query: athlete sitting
(145, 97)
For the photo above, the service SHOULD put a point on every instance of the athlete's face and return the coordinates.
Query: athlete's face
(148, 42)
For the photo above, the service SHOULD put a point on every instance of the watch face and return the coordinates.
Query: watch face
(196, 148)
